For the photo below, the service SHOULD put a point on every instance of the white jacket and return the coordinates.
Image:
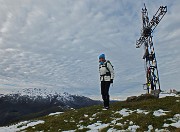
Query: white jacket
(106, 71)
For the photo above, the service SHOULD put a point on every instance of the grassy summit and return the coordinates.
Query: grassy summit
(142, 115)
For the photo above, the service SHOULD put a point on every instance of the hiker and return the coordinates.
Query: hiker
(106, 77)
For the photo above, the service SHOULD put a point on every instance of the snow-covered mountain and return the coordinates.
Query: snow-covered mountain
(35, 102)
(55, 45)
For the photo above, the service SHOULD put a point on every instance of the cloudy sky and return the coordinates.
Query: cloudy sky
(54, 44)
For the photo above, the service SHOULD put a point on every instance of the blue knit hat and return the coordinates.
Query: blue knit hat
(102, 56)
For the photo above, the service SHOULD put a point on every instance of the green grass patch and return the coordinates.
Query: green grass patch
(79, 119)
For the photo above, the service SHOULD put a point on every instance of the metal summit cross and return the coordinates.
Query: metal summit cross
(152, 78)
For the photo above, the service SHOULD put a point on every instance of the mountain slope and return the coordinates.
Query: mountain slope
(20, 106)
(144, 115)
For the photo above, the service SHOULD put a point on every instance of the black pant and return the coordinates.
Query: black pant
(105, 92)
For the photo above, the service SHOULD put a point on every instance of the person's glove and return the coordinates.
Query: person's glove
(111, 81)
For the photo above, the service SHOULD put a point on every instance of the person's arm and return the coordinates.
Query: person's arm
(111, 70)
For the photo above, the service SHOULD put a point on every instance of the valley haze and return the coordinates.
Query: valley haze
(55, 45)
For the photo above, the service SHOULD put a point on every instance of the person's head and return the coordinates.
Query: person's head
(102, 58)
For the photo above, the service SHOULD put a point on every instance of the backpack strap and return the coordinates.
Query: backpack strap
(108, 73)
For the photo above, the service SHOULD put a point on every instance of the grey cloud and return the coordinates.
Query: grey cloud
(56, 43)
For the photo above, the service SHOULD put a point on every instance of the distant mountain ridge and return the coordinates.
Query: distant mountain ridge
(33, 102)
